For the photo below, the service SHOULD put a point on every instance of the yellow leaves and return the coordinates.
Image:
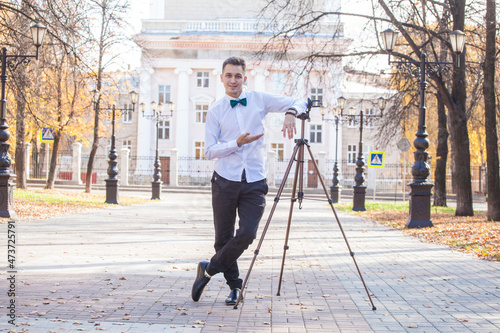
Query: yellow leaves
(472, 234)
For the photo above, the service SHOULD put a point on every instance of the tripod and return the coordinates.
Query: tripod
(298, 156)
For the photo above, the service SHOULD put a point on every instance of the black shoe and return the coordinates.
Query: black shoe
(200, 282)
(233, 296)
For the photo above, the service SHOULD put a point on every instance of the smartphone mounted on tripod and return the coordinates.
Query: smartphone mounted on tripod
(311, 103)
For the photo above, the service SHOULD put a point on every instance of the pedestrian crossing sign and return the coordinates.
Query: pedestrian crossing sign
(376, 159)
(47, 134)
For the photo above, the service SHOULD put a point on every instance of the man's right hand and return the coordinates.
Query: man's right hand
(247, 138)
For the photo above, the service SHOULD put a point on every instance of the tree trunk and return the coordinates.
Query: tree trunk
(93, 151)
(20, 155)
(441, 156)
(490, 115)
(90, 165)
(95, 144)
(458, 124)
(35, 157)
(21, 82)
(53, 161)
(44, 149)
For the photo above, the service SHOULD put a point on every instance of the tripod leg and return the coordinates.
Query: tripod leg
(264, 231)
(330, 202)
(297, 178)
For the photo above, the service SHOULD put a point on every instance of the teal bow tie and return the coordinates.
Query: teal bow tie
(234, 102)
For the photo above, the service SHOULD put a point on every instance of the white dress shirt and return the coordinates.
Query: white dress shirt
(225, 124)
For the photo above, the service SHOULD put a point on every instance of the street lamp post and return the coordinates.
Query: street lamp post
(11, 61)
(359, 187)
(157, 116)
(334, 189)
(420, 194)
(337, 113)
(112, 181)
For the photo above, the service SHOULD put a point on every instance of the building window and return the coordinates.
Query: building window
(201, 113)
(351, 123)
(164, 94)
(315, 134)
(351, 154)
(202, 79)
(199, 150)
(317, 94)
(279, 81)
(127, 113)
(163, 129)
(279, 148)
(127, 144)
(369, 113)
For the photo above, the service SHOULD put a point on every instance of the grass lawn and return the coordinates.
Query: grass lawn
(41, 203)
(472, 234)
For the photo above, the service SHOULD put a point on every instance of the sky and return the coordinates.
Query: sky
(131, 54)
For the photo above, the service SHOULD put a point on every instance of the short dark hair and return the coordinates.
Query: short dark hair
(236, 61)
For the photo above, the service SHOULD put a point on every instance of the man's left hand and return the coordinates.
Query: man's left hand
(289, 126)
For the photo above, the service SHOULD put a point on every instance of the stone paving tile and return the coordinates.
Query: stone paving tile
(130, 269)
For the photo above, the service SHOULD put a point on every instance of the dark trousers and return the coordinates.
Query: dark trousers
(229, 198)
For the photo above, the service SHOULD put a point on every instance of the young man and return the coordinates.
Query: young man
(234, 136)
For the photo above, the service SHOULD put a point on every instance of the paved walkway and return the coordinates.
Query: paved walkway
(130, 269)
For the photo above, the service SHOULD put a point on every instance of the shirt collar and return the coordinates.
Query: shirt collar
(242, 95)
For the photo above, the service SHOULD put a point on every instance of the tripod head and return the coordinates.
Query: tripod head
(315, 103)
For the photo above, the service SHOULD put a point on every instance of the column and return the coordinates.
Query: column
(76, 165)
(322, 165)
(27, 155)
(271, 168)
(174, 167)
(145, 133)
(124, 158)
(220, 91)
(260, 79)
(371, 181)
(181, 113)
(260, 85)
(300, 87)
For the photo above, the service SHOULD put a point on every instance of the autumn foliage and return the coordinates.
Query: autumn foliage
(471, 234)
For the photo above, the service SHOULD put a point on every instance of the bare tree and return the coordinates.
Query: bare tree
(110, 22)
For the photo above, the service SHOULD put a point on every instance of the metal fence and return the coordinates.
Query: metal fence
(64, 164)
(478, 180)
(393, 178)
(193, 172)
(99, 169)
(389, 179)
(141, 169)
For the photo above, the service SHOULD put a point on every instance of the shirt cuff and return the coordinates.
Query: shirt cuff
(300, 107)
(233, 144)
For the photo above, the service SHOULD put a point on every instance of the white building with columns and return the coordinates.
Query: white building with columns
(183, 46)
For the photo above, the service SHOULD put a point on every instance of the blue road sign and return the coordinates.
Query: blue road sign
(376, 159)
(47, 134)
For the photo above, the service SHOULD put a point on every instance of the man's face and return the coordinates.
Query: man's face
(233, 77)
